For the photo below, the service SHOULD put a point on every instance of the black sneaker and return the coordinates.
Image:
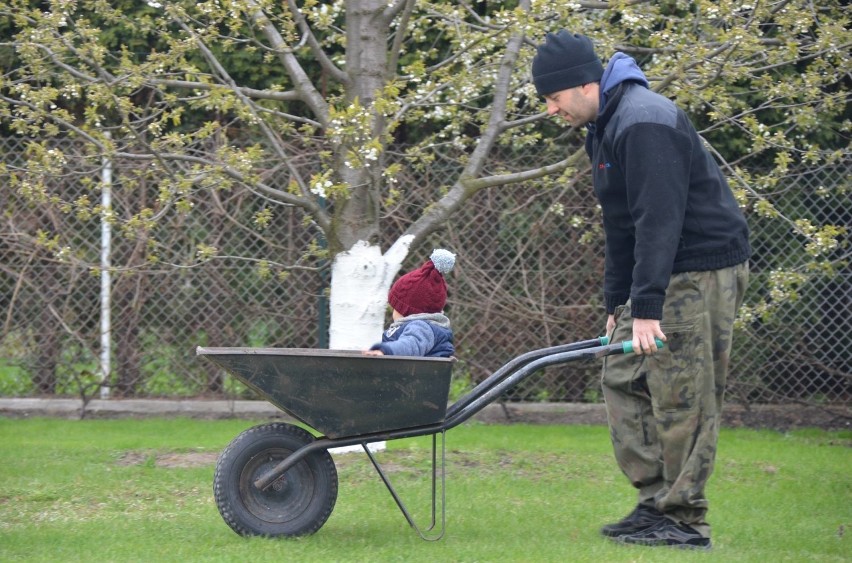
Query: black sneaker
(670, 533)
(641, 518)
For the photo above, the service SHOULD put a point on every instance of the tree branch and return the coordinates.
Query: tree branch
(316, 49)
(76, 73)
(468, 184)
(395, 7)
(524, 121)
(401, 30)
(250, 93)
(289, 96)
(476, 184)
(301, 81)
(273, 137)
(276, 194)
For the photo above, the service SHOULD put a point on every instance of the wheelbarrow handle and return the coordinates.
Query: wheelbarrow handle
(626, 347)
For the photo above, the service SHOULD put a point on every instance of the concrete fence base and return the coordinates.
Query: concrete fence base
(778, 417)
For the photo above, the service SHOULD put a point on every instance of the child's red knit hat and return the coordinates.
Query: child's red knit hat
(423, 290)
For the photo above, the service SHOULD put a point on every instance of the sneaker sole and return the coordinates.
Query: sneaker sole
(625, 532)
(664, 543)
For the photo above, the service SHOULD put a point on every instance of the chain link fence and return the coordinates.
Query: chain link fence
(528, 275)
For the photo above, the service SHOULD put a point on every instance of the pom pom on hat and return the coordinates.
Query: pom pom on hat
(564, 61)
(444, 260)
(423, 290)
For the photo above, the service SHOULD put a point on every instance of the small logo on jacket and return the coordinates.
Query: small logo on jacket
(603, 165)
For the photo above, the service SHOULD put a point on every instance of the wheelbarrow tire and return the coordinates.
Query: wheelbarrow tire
(296, 504)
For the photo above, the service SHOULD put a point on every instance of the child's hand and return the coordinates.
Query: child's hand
(373, 353)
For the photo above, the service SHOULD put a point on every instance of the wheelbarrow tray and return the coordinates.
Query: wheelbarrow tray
(343, 393)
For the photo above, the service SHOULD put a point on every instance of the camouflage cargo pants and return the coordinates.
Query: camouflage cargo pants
(664, 410)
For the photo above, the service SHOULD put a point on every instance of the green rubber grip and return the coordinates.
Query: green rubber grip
(627, 345)
(604, 340)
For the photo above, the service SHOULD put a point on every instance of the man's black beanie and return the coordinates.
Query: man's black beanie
(564, 61)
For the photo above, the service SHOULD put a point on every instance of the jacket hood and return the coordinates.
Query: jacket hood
(435, 318)
(621, 68)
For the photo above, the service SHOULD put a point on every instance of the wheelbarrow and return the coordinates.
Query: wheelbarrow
(279, 479)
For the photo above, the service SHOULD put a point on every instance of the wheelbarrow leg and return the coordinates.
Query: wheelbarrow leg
(401, 505)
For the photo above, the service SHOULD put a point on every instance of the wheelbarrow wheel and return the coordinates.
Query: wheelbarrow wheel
(296, 504)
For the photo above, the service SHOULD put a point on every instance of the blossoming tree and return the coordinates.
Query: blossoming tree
(164, 83)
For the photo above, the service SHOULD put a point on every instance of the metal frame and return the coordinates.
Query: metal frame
(401, 505)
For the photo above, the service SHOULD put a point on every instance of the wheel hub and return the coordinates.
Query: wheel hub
(279, 484)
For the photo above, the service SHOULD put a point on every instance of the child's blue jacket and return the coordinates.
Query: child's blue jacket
(427, 334)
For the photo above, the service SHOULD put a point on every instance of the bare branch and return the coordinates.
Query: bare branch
(458, 54)
(524, 121)
(289, 267)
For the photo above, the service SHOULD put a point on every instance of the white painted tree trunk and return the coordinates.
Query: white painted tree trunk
(360, 280)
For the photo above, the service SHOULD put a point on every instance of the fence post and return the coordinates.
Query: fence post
(322, 300)
(106, 280)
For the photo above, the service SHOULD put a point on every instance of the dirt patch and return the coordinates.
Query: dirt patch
(192, 459)
(168, 459)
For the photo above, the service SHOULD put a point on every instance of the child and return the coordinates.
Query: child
(419, 326)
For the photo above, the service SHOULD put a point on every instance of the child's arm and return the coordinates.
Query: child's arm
(415, 339)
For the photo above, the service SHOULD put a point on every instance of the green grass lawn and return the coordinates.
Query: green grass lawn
(140, 490)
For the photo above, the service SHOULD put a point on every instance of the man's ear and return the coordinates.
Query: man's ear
(590, 89)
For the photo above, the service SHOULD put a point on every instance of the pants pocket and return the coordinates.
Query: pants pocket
(673, 373)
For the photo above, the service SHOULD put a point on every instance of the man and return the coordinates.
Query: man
(676, 268)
